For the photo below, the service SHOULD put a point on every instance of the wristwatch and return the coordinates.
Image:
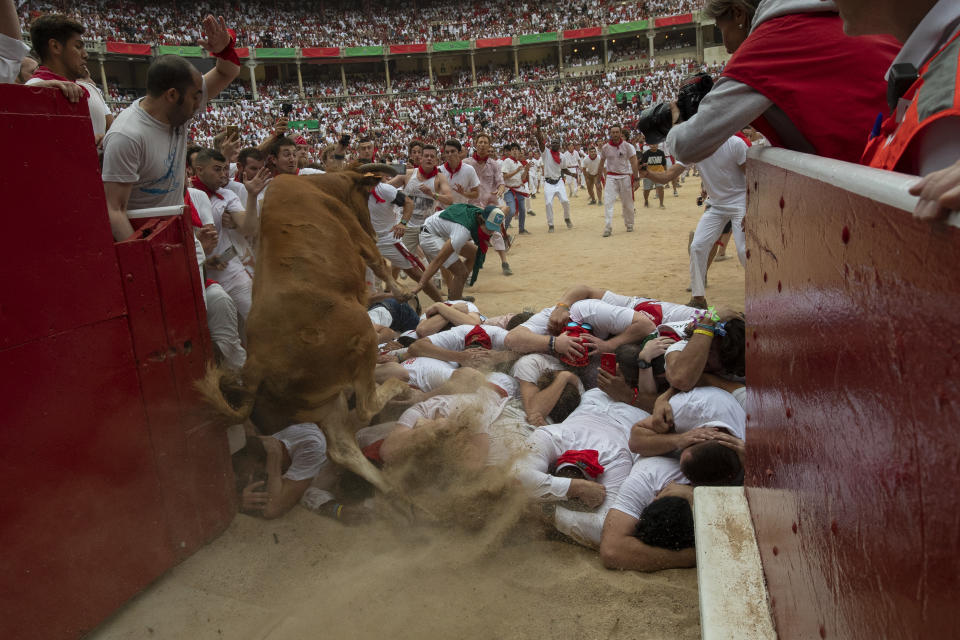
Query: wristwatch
(643, 364)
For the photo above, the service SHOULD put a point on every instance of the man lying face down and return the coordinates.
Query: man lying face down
(649, 528)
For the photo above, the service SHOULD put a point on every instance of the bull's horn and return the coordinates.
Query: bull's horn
(377, 167)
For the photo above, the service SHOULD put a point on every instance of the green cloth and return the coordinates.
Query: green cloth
(466, 215)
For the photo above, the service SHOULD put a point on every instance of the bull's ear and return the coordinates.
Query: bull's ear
(369, 180)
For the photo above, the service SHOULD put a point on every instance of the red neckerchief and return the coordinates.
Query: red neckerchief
(194, 214)
(616, 144)
(743, 137)
(43, 73)
(480, 160)
(427, 176)
(556, 156)
(198, 184)
(451, 171)
(373, 192)
(484, 237)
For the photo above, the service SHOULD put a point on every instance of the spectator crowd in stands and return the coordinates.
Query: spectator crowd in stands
(340, 23)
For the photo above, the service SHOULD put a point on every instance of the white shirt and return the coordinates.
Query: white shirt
(12, 53)
(509, 166)
(606, 319)
(383, 215)
(672, 312)
(307, 447)
(98, 107)
(571, 160)
(423, 206)
(453, 339)
(722, 174)
(456, 233)
(647, 478)
(551, 169)
(428, 373)
(589, 166)
(617, 159)
(466, 176)
(538, 323)
(227, 237)
(380, 316)
(708, 406)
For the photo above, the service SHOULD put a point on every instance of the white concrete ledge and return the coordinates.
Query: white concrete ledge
(734, 603)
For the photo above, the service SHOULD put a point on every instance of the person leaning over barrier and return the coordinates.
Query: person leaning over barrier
(921, 132)
(794, 76)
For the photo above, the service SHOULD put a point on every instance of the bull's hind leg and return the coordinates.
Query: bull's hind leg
(340, 427)
(372, 398)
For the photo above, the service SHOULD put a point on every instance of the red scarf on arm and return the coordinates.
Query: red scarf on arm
(427, 176)
(198, 184)
(43, 73)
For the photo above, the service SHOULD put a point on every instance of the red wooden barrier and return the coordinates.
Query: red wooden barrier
(852, 359)
(110, 475)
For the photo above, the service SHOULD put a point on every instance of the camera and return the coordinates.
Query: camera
(655, 122)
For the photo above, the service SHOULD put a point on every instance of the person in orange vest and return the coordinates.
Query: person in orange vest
(921, 134)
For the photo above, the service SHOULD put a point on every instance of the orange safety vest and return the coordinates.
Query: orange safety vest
(933, 96)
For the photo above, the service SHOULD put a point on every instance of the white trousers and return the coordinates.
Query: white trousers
(559, 190)
(224, 324)
(240, 288)
(618, 187)
(709, 229)
(573, 184)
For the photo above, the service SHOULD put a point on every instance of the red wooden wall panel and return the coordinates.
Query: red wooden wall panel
(853, 358)
(112, 475)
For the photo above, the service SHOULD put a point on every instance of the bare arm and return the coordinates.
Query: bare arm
(602, 168)
(540, 402)
(561, 314)
(684, 368)
(634, 166)
(443, 194)
(424, 348)
(217, 38)
(283, 494)
(663, 177)
(9, 20)
(619, 549)
(437, 262)
(117, 195)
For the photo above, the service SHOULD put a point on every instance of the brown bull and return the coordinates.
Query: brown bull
(310, 343)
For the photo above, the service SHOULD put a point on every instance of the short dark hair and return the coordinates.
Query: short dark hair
(732, 347)
(279, 143)
(170, 72)
(52, 27)
(627, 362)
(712, 464)
(453, 143)
(428, 146)
(415, 143)
(667, 523)
(192, 149)
(482, 135)
(518, 319)
(208, 155)
(249, 152)
(568, 401)
(364, 140)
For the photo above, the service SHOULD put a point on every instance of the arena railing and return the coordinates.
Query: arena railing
(852, 401)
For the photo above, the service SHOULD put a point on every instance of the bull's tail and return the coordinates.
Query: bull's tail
(226, 394)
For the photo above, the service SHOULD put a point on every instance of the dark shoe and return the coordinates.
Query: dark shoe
(506, 269)
(550, 229)
(607, 232)
(524, 232)
(592, 202)
(531, 213)
(569, 224)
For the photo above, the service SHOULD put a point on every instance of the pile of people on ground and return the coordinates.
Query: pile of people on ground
(286, 23)
(606, 407)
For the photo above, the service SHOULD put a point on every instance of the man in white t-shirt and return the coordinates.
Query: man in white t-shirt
(12, 48)
(724, 179)
(277, 470)
(224, 262)
(445, 240)
(553, 175)
(58, 41)
(145, 150)
(427, 188)
(652, 480)
(549, 391)
(462, 178)
(515, 174)
(382, 203)
(618, 171)
(714, 353)
(590, 166)
(571, 161)
(594, 439)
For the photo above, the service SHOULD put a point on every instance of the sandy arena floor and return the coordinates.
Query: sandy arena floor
(305, 576)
